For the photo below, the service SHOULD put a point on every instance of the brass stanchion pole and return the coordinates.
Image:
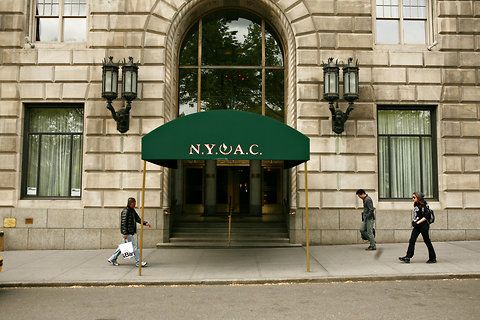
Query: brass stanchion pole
(307, 234)
(141, 218)
(229, 220)
(229, 228)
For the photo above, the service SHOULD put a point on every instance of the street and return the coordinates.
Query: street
(431, 299)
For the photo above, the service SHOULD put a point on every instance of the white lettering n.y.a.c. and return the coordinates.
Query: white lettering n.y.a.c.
(223, 149)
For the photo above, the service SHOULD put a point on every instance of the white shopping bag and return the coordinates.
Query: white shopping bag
(126, 250)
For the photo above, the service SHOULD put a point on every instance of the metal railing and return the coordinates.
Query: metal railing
(229, 221)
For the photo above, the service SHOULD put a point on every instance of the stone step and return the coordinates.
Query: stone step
(234, 229)
(219, 218)
(234, 235)
(224, 239)
(234, 223)
(225, 245)
(212, 231)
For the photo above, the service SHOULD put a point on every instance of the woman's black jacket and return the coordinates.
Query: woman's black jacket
(420, 212)
(128, 221)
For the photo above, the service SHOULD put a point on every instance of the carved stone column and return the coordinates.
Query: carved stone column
(256, 187)
(210, 186)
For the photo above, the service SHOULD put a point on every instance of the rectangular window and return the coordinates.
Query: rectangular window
(401, 21)
(52, 164)
(60, 20)
(406, 152)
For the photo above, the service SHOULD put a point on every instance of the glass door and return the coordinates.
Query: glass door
(233, 189)
(273, 197)
(193, 188)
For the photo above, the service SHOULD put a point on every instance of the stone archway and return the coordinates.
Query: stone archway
(169, 20)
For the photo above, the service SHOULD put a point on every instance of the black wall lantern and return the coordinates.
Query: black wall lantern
(129, 89)
(331, 92)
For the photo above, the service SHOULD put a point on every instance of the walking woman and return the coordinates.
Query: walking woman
(420, 218)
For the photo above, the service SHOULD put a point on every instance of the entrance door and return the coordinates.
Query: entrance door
(242, 187)
(233, 187)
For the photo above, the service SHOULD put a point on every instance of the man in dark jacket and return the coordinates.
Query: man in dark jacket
(368, 219)
(128, 227)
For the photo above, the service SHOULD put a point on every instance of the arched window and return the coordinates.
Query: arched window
(231, 60)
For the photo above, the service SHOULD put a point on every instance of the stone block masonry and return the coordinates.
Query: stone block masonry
(447, 79)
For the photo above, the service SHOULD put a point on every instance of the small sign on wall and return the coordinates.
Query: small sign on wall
(9, 222)
(75, 192)
(31, 191)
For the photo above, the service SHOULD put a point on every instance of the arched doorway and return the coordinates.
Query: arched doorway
(231, 59)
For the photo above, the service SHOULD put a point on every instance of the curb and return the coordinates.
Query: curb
(416, 277)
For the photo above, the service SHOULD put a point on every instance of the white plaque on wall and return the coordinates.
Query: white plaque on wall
(75, 192)
(31, 191)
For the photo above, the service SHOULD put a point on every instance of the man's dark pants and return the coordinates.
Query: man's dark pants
(366, 229)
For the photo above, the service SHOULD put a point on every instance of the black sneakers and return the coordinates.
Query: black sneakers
(370, 248)
(407, 260)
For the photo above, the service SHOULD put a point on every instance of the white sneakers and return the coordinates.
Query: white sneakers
(144, 264)
(113, 262)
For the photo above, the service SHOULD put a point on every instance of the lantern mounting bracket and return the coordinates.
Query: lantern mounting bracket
(129, 89)
(121, 117)
(339, 117)
(331, 91)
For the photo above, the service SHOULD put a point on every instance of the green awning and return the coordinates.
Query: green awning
(226, 135)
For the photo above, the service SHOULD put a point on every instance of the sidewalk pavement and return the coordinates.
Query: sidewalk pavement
(183, 266)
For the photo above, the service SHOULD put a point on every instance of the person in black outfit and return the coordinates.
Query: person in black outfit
(421, 216)
(128, 227)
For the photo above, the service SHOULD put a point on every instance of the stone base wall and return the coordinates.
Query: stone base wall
(92, 228)
(74, 229)
(341, 226)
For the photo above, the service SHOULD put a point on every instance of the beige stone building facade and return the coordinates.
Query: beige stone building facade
(433, 74)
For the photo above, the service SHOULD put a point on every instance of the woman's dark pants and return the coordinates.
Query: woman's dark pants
(423, 229)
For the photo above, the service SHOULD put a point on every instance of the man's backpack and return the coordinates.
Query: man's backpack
(432, 215)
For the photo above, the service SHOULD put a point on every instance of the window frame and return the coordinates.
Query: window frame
(429, 25)
(61, 18)
(433, 136)
(262, 67)
(26, 151)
